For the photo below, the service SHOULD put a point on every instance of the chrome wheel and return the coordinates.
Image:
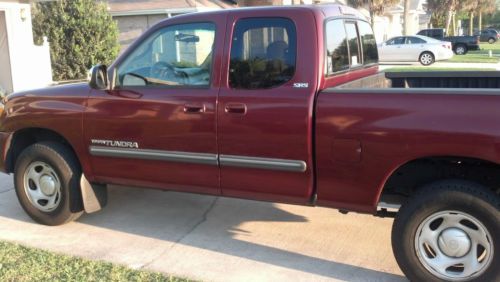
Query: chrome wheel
(42, 186)
(426, 59)
(491, 41)
(454, 245)
(460, 50)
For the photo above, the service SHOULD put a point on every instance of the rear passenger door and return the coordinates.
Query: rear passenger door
(265, 107)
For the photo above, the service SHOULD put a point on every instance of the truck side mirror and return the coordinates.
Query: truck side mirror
(99, 77)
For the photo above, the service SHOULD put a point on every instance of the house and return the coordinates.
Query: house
(134, 17)
(23, 65)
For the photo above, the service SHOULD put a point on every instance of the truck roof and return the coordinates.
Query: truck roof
(320, 10)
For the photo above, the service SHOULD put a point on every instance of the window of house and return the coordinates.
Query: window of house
(336, 47)
(174, 56)
(263, 53)
(370, 50)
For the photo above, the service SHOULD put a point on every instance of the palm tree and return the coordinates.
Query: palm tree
(406, 16)
(376, 7)
(485, 7)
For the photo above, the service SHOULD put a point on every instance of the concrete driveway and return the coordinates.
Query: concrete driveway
(215, 239)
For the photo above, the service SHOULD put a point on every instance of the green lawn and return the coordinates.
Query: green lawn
(479, 56)
(423, 69)
(18, 263)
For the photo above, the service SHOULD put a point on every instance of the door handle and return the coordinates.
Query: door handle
(194, 109)
(236, 108)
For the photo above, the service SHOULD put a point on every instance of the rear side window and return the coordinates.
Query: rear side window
(349, 44)
(336, 47)
(414, 40)
(370, 50)
(354, 50)
(263, 53)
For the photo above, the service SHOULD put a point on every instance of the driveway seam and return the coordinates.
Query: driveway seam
(3, 192)
(204, 218)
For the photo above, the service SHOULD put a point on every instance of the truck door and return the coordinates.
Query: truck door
(265, 107)
(157, 127)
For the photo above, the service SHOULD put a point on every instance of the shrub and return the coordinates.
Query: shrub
(81, 34)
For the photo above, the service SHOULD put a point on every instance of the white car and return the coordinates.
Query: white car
(415, 48)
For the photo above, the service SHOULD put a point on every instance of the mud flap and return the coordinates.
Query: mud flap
(95, 197)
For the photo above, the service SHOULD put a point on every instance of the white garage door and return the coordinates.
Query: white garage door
(5, 74)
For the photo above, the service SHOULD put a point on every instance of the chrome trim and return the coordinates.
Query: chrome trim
(263, 163)
(388, 206)
(156, 155)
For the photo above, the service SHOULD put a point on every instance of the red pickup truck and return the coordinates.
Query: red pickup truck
(280, 104)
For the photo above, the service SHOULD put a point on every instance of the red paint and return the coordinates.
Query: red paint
(351, 143)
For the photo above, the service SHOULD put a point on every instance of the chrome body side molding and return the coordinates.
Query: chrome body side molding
(263, 163)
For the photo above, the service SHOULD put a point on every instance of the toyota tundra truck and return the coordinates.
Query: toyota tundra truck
(281, 104)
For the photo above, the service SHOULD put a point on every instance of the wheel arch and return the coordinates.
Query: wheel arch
(407, 178)
(26, 137)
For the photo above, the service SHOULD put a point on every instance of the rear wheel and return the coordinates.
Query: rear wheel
(47, 183)
(449, 231)
(491, 40)
(426, 58)
(461, 49)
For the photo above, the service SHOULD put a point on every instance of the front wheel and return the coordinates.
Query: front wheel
(426, 58)
(46, 179)
(449, 231)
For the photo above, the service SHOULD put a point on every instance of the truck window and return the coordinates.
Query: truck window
(336, 47)
(352, 36)
(370, 50)
(174, 56)
(263, 53)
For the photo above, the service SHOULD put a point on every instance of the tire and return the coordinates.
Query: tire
(47, 183)
(426, 58)
(461, 49)
(462, 206)
(491, 40)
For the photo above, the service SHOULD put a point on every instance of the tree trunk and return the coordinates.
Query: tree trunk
(471, 24)
(454, 24)
(480, 22)
(372, 15)
(406, 28)
(449, 15)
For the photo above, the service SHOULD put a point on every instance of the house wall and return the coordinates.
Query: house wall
(131, 27)
(30, 65)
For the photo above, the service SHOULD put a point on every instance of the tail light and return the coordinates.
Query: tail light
(447, 46)
(498, 35)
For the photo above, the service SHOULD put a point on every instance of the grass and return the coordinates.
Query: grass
(479, 56)
(18, 263)
(424, 69)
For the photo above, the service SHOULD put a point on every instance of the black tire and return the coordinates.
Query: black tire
(443, 196)
(426, 58)
(67, 169)
(461, 49)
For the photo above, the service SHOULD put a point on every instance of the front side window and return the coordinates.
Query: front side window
(263, 53)
(336, 47)
(175, 56)
(396, 41)
(370, 50)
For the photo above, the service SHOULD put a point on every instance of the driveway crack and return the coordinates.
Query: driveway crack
(203, 219)
(3, 192)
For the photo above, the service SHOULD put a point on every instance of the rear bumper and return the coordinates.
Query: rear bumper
(5, 138)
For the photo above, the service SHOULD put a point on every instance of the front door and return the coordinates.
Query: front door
(157, 127)
(265, 108)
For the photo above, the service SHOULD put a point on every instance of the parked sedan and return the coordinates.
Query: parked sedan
(415, 48)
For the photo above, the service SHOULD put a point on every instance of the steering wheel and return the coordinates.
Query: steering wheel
(162, 70)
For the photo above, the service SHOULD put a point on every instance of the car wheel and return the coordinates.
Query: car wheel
(491, 40)
(449, 231)
(461, 49)
(47, 183)
(426, 58)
